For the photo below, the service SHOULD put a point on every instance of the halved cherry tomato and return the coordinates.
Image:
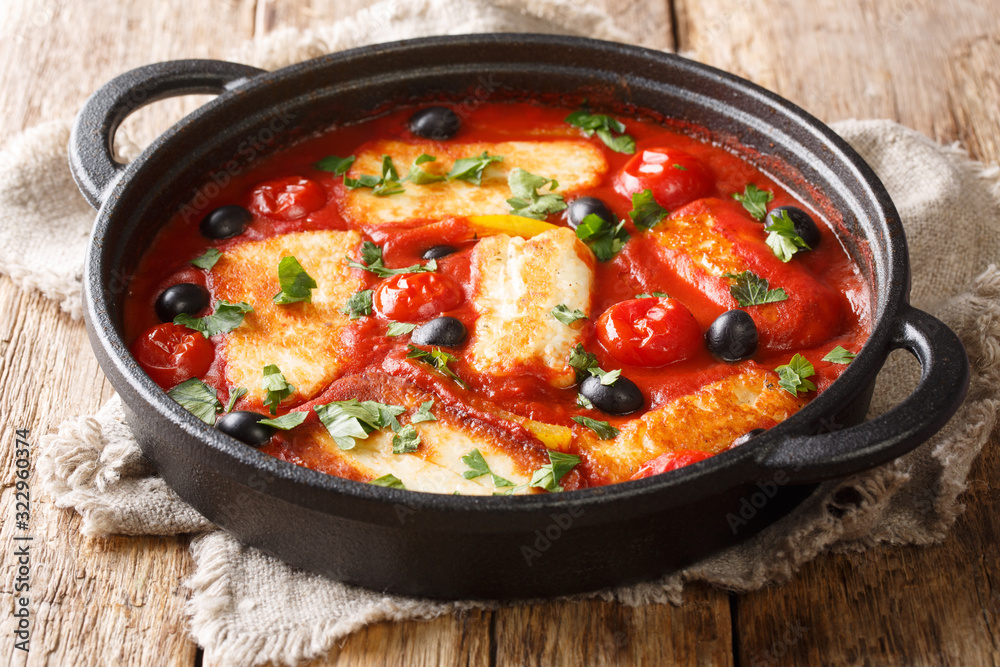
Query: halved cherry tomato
(669, 461)
(171, 353)
(651, 331)
(675, 177)
(288, 198)
(409, 297)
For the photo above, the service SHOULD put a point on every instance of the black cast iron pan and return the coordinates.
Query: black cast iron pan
(498, 547)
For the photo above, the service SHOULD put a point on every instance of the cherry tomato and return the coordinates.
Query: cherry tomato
(171, 353)
(670, 461)
(288, 198)
(649, 332)
(409, 297)
(675, 177)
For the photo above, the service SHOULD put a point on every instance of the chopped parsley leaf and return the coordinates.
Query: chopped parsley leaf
(567, 316)
(549, 475)
(406, 440)
(348, 421)
(604, 239)
(437, 359)
(581, 361)
(387, 184)
(604, 430)
(607, 377)
(645, 295)
(390, 481)
(752, 290)
(606, 128)
(276, 386)
(527, 202)
(227, 316)
(839, 355)
(754, 200)
(371, 256)
(423, 413)
(359, 305)
(286, 421)
(584, 402)
(479, 467)
(645, 211)
(782, 238)
(296, 285)
(338, 165)
(207, 260)
(235, 394)
(399, 328)
(197, 398)
(470, 169)
(419, 176)
(793, 375)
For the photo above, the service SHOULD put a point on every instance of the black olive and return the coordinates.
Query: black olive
(732, 336)
(438, 251)
(581, 207)
(802, 221)
(180, 298)
(244, 426)
(618, 398)
(747, 437)
(225, 222)
(437, 123)
(443, 331)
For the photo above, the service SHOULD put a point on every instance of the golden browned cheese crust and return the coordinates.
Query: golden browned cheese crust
(574, 164)
(708, 420)
(302, 339)
(518, 283)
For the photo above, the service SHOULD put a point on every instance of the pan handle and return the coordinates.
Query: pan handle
(944, 380)
(91, 145)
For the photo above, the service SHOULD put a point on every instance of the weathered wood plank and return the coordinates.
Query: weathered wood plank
(931, 66)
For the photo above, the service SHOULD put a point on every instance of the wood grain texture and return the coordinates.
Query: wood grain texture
(119, 601)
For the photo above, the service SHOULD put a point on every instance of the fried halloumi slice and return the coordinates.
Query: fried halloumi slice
(302, 339)
(436, 466)
(709, 241)
(707, 420)
(574, 164)
(517, 282)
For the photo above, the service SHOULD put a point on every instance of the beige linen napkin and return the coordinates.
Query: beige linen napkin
(248, 608)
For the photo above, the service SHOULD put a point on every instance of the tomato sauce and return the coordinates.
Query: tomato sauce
(826, 304)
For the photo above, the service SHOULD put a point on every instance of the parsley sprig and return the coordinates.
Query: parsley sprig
(839, 355)
(549, 475)
(603, 238)
(227, 316)
(197, 398)
(527, 202)
(582, 361)
(285, 422)
(353, 420)
(359, 304)
(418, 176)
(371, 261)
(382, 186)
(645, 211)
(609, 130)
(470, 169)
(782, 238)
(479, 467)
(568, 317)
(436, 358)
(389, 480)
(276, 386)
(754, 200)
(604, 430)
(296, 285)
(793, 375)
(752, 290)
(207, 260)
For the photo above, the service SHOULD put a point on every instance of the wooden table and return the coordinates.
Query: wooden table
(929, 64)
